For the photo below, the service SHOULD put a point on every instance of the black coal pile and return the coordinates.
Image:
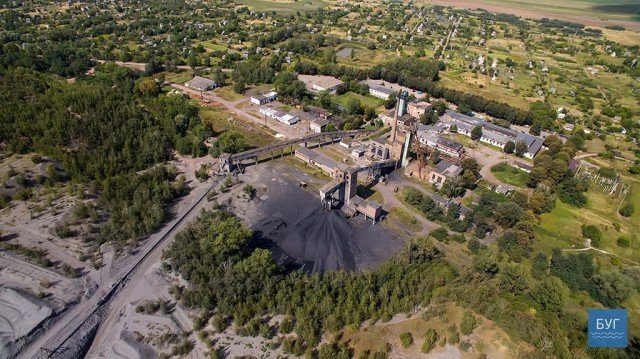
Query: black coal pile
(300, 232)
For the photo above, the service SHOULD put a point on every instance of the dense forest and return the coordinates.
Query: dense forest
(232, 280)
(230, 277)
(104, 137)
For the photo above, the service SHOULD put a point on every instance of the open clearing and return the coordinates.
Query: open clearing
(487, 338)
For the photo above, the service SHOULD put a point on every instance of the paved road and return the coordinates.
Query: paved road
(69, 321)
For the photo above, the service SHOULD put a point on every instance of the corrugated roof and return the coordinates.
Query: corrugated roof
(201, 83)
(316, 157)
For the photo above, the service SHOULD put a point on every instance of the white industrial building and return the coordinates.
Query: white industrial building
(493, 134)
(381, 92)
(264, 98)
(279, 115)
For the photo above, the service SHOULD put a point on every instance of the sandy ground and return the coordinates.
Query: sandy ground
(131, 336)
(18, 317)
(31, 224)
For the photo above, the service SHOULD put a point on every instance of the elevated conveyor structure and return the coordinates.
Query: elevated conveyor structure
(229, 163)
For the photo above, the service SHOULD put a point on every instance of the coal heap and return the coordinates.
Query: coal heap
(300, 231)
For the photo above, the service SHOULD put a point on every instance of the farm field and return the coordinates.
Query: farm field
(590, 12)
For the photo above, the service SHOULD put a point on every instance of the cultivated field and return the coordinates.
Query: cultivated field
(592, 13)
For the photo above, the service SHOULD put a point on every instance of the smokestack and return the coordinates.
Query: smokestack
(402, 108)
(394, 124)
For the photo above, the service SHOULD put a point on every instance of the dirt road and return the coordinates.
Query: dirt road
(121, 299)
(290, 132)
(125, 272)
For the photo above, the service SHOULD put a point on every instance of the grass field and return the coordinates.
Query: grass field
(221, 120)
(406, 218)
(562, 227)
(226, 93)
(288, 6)
(366, 101)
(210, 45)
(488, 338)
(510, 175)
(179, 77)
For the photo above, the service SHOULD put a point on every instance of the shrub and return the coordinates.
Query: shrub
(593, 233)
(430, 339)
(468, 323)
(623, 242)
(184, 348)
(627, 210)
(454, 338)
(63, 231)
(439, 233)
(286, 325)
(406, 339)
(219, 322)
(474, 245)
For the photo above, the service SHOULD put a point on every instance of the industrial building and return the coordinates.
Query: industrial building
(264, 98)
(318, 83)
(318, 118)
(201, 84)
(443, 172)
(418, 108)
(439, 143)
(493, 134)
(381, 92)
(312, 157)
(279, 115)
